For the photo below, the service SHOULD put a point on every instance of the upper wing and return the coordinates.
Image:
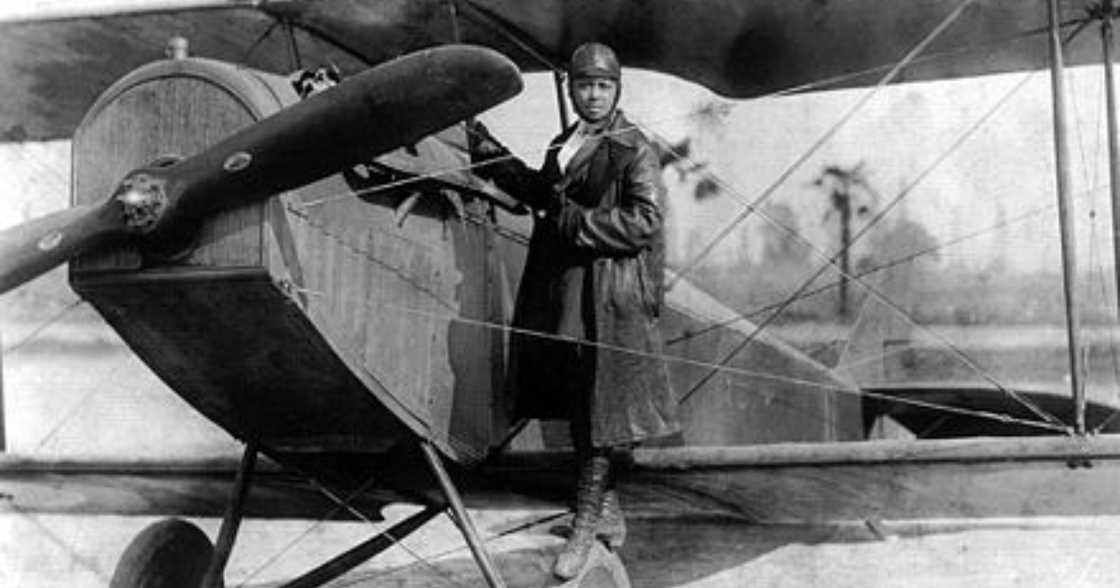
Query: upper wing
(52, 69)
(739, 48)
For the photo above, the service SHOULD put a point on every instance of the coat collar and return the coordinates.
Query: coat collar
(619, 130)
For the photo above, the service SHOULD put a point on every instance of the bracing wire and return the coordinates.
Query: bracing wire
(1113, 353)
(800, 291)
(38, 330)
(948, 343)
(817, 85)
(260, 39)
(753, 206)
(798, 89)
(1038, 211)
(750, 208)
(443, 315)
(537, 55)
(334, 510)
(82, 560)
(426, 562)
(831, 262)
(734, 371)
(453, 550)
(875, 293)
(73, 411)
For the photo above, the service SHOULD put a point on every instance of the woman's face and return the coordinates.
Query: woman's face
(594, 98)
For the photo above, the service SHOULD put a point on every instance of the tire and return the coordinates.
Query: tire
(171, 553)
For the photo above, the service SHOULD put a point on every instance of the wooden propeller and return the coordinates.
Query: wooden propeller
(381, 109)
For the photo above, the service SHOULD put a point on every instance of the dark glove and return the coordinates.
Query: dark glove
(483, 145)
(566, 215)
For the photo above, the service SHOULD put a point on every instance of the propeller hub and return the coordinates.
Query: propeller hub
(143, 200)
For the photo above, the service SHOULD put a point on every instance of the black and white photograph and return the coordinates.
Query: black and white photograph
(559, 293)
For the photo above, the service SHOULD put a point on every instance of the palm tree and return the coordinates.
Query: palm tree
(844, 186)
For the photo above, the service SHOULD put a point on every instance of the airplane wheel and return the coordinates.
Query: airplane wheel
(171, 553)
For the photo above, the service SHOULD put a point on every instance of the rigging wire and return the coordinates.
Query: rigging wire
(427, 562)
(495, 24)
(260, 39)
(73, 411)
(333, 511)
(798, 292)
(838, 81)
(973, 364)
(752, 207)
(365, 253)
(437, 173)
(1103, 279)
(510, 329)
(75, 556)
(873, 270)
(875, 293)
(42, 327)
(831, 262)
(502, 326)
(490, 21)
(447, 552)
(968, 361)
(734, 371)
(460, 319)
(1090, 172)
(296, 61)
(537, 55)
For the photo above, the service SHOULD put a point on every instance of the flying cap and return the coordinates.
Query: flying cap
(594, 60)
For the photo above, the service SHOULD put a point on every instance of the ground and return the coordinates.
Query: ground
(47, 551)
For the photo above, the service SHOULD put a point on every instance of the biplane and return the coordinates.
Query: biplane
(327, 281)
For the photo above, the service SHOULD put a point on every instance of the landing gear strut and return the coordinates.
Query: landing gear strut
(174, 553)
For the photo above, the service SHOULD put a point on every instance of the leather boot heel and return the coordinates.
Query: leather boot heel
(589, 504)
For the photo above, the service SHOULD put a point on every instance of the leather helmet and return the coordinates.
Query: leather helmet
(594, 60)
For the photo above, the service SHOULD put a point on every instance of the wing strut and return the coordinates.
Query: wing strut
(1106, 16)
(1065, 213)
(460, 516)
(231, 521)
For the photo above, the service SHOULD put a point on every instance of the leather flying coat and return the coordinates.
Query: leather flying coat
(594, 273)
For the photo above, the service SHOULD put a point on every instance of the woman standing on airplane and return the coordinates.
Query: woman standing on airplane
(592, 287)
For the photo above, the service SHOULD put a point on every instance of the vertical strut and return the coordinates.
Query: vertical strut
(1065, 212)
(561, 104)
(1113, 148)
(460, 516)
(293, 46)
(232, 518)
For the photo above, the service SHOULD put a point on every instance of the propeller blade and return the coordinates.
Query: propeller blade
(388, 106)
(377, 111)
(34, 247)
